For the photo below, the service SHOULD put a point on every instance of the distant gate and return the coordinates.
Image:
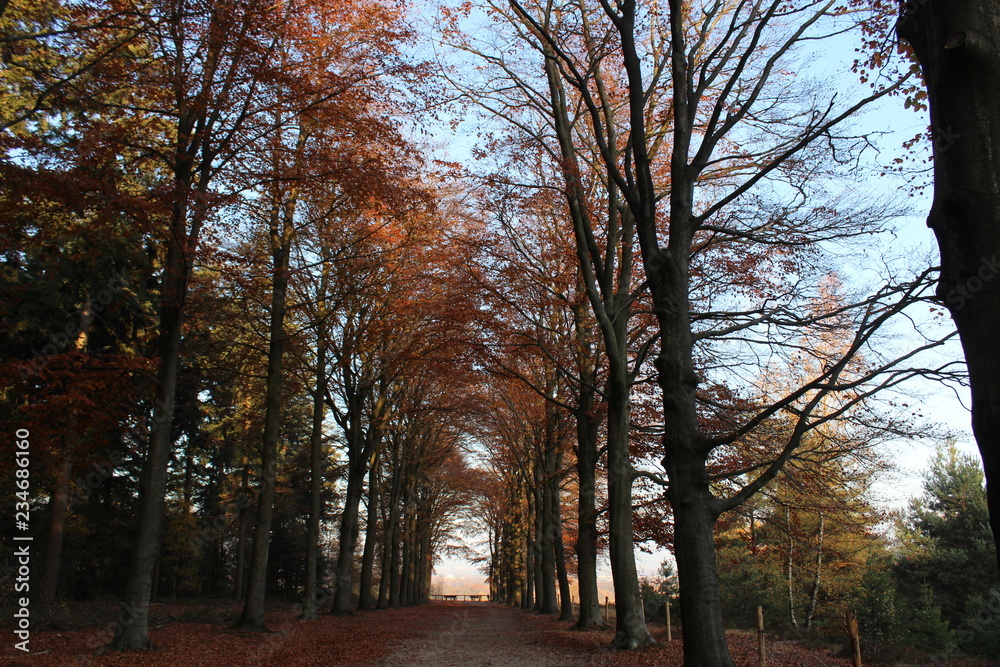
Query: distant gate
(471, 597)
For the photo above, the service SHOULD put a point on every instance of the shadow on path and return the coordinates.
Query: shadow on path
(482, 633)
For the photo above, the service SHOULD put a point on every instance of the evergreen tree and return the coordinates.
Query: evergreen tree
(946, 546)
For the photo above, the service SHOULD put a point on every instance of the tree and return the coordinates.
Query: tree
(725, 226)
(74, 291)
(536, 305)
(953, 42)
(51, 51)
(945, 538)
(322, 100)
(545, 115)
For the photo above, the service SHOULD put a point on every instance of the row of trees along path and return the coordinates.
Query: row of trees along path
(623, 322)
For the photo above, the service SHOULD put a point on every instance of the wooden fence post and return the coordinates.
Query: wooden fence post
(669, 629)
(852, 633)
(606, 608)
(761, 651)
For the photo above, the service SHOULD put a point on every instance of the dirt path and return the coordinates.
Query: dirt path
(449, 634)
(480, 633)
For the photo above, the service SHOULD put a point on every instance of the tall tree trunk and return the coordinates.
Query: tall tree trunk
(426, 566)
(528, 601)
(956, 43)
(610, 300)
(493, 578)
(395, 567)
(586, 539)
(545, 550)
(371, 535)
(58, 507)
(408, 547)
(388, 561)
(630, 623)
(60, 493)
(133, 616)
(344, 571)
(518, 572)
(814, 595)
(213, 532)
(701, 608)
(789, 579)
(562, 575)
(315, 473)
(695, 508)
(252, 617)
(508, 581)
(390, 544)
(239, 576)
(413, 555)
(404, 546)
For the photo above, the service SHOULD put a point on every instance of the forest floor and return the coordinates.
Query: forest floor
(445, 634)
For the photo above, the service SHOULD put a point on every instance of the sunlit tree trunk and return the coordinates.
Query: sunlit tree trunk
(814, 594)
(789, 570)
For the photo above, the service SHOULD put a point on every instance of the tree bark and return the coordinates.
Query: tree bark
(133, 616)
(239, 576)
(528, 601)
(315, 474)
(545, 550)
(630, 623)
(344, 571)
(282, 230)
(789, 581)
(407, 576)
(702, 626)
(395, 568)
(58, 507)
(814, 595)
(956, 43)
(390, 545)
(371, 535)
(562, 575)
(586, 540)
